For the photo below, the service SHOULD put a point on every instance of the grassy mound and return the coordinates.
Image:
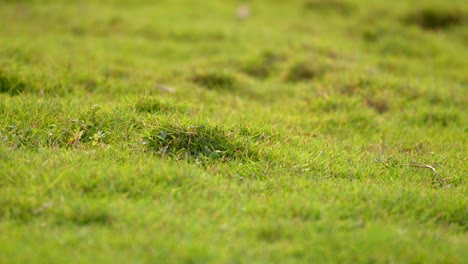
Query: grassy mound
(197, 143)
(216, 80)
(431, 18)
(10, 84)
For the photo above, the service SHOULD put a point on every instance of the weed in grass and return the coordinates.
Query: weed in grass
(88, 128)
(197, 143)
(50, 127)
(22, 138)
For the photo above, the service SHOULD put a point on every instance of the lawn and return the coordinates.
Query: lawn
(177, 131)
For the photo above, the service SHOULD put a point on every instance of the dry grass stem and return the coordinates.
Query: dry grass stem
(425, 166)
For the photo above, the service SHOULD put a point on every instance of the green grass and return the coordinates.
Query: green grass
(171, 131)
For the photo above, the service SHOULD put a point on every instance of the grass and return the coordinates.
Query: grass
(310, 131)
(196, 142)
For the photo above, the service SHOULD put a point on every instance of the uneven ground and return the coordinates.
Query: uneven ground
(171, 131)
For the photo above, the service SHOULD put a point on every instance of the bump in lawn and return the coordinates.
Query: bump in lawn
(216, 80)
(48, 125)
(263, 66)
(197, 143)
(339, 6)
(154, 105)
(10, 84)
(303, 71)
(26, 209)
(89, 84)
(379, 103)
(96, 213)
(436, 19)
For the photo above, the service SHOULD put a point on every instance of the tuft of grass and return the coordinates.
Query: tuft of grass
(378, 103)
(154, 105)
(303, 71)
(431, 18)
(339, 6)
(197, 143)
(26, 209)
(216, 80)
(48, 125)
(262, 66)
(89, 84)
(85, 214)
(11, 84)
